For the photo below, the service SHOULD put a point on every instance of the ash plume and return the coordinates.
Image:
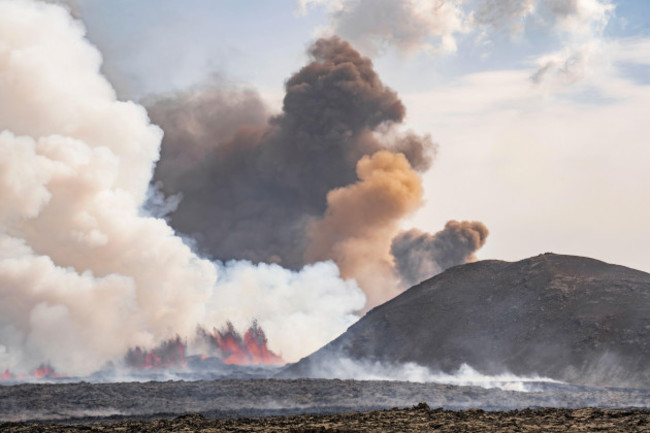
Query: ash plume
(251, 188)
(199, 121)
(362, 219)
(89, 268)
(419, 255)
(85, 274)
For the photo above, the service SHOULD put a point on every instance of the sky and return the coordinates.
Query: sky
(538, 107)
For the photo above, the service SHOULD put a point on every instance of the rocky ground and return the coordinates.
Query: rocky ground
(420, 418)
(86, 403)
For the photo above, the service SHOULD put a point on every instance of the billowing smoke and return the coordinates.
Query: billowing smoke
(286, 191)
(330, 178)
(200, 123)
(72, 6)
(342, 367)
(85, 273)
(88, 267)
(362, 219)
(419, 256)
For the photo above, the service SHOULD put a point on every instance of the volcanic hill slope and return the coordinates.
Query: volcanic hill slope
(569, 318)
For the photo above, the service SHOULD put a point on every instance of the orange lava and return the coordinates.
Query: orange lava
(227, 344)
(44, 371)
(252, 349)
(168, 354)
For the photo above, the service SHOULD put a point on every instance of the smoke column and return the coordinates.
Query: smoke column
(419, 256)
(362, 219)
(323, 180)
(251, 188)
(201, 123)
(85, 273)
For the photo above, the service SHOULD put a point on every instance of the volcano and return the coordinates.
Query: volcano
(569, 318)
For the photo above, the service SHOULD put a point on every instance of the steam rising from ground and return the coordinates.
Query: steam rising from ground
(346, 368)
(84, 275)
(88, 267)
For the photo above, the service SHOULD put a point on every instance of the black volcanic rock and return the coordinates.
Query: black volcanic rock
(569, 318)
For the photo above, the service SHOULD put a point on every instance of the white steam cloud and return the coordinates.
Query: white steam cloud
(84, 273)
(346, 368)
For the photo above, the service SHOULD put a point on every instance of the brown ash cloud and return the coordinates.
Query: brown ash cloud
(362, 219)
(251, 184)
(419, 255)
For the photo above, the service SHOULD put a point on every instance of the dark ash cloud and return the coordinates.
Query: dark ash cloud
(419, 255)
(251, 184)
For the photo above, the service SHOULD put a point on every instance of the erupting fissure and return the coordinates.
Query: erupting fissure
(169, 354)
(226, 344)
(299, 209)
(251, 349)
(44, 371)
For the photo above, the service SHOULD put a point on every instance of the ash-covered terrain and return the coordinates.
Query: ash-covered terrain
(109, 402)
(550, 331)
(572, 319)
(419, 418)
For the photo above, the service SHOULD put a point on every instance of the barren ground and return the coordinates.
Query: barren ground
(420, 418)
(317, 405)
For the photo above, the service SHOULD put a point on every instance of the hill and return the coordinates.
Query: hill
(569, 318)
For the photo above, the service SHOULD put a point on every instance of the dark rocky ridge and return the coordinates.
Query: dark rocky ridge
(569, 318)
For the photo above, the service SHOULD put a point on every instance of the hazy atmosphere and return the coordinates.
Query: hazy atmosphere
(537, 106)
(310, 215)
(267, 172)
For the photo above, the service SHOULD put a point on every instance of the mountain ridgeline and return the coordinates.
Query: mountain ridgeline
(569, 318)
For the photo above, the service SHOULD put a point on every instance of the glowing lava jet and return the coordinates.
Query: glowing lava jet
(226, 344)
(252, 349)
(44, 371)
(169, 354)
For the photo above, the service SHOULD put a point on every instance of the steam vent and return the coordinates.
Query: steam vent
(569, 318)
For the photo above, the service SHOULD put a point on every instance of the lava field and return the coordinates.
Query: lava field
(419, 418)
(74, 403)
